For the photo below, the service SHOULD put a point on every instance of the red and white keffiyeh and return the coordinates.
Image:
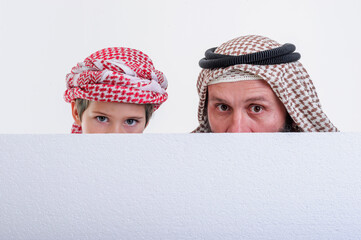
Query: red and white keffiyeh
(289, 81)
(116, 74)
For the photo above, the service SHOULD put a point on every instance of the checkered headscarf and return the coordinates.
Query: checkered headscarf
(290, 82)
(116, 75)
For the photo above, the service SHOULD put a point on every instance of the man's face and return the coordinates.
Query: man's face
(111, 117)
(244, 106)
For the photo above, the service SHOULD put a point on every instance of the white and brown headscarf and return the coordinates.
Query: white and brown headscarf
(289, 81)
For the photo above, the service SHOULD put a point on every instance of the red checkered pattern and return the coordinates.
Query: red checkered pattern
(290, 82)
(116, 75)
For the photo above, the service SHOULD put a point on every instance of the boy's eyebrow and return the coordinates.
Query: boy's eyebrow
(101, 113)
(134, 117)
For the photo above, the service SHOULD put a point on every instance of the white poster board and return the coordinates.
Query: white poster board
(180, 186)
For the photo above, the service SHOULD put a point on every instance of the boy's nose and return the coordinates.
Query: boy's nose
(117, 128)
(240, 122)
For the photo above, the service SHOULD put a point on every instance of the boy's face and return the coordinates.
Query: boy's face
(111, 117)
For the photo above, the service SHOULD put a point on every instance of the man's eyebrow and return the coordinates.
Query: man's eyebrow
(257, 99)
(252, 99)
(217, 99)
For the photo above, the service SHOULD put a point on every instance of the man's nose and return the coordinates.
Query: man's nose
(240, 122)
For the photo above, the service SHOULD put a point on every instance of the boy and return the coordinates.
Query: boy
(115, 90)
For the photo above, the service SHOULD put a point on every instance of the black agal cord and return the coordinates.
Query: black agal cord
(282, 54)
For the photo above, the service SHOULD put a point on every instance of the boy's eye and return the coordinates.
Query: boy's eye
(102, 119)
(223, 107)
(130, 122)
(256, 108)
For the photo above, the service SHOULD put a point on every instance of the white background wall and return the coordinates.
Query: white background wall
(180, 186)
(41, 40)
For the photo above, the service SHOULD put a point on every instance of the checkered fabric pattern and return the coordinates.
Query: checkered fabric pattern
(116, 75)
(290, 82)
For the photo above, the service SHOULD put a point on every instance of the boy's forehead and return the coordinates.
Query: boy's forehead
(114, 105)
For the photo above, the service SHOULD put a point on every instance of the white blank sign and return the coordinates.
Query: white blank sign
(181, 186)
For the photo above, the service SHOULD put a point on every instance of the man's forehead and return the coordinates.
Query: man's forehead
(243, 90)
(240, 86)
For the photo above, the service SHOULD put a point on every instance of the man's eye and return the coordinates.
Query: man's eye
(102, 119)
(131, 122)
(256, 108)
(223, 107)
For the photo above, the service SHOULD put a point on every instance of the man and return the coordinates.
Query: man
(254, 84)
